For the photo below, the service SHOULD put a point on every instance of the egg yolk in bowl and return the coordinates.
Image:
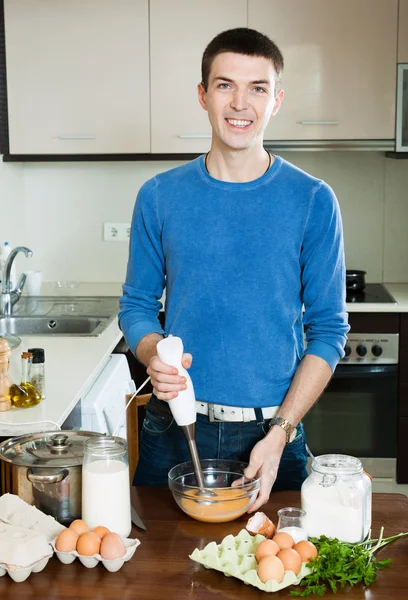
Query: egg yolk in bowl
(218, 502)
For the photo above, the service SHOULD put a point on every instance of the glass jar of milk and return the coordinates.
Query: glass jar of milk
(105, 485)
(336, 498)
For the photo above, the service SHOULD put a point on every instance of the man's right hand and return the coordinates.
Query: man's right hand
(165, 378)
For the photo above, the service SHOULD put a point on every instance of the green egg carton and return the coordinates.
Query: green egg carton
(235, 557)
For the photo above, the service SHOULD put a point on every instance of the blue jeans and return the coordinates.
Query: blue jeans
(163, 446)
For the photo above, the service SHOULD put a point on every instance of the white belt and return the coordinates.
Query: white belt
(219, 412)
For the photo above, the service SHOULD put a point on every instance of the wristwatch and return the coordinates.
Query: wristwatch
(290, 430)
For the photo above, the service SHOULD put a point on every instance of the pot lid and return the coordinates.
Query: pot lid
(50, 449)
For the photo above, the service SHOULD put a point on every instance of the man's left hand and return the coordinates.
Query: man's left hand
(265, 457)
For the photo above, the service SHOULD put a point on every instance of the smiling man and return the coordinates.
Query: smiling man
(241, 240)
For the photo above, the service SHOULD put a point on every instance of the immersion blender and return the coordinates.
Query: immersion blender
(170, 351)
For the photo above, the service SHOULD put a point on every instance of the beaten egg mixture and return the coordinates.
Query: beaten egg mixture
(227, 505)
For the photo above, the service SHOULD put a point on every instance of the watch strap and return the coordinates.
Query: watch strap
(286, 426)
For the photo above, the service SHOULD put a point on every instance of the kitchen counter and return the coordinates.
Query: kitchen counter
(161, 566)
(71, 365)
(399, 291)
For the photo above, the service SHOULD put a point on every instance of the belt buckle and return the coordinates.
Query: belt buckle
(211, 417)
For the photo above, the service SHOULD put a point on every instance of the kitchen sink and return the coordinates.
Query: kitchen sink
(67, 316)
(91, 326)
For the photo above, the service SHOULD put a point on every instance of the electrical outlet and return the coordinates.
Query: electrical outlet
(116, 232)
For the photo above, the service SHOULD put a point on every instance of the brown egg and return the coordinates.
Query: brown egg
(101, 531)
(291, 560)
(270, 567)
(112, 546)
(66, 541)
(284, 540)
(306, 550)
(88, 544)
(266, 548)
(79, 526)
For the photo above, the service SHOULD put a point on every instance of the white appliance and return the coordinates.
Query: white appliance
(104, 403)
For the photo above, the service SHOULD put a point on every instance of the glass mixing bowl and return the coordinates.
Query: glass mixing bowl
(225, 502)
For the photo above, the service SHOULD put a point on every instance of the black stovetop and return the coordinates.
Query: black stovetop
(373, 293)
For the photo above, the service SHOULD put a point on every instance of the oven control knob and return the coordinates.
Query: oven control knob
(361, 350)
(377, 350)
(347, 350)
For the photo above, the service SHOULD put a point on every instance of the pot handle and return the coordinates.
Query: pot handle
(36, 477)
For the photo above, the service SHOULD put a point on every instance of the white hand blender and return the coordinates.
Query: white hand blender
(170, 351)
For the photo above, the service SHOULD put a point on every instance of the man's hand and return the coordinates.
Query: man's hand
(165, 379)
(265, 457)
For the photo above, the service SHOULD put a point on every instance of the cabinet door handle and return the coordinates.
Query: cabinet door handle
(77, 137)
(318, 122)
(195, 136)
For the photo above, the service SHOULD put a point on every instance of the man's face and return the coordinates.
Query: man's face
(240, 99)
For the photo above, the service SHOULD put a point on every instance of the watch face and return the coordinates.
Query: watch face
(293, 434)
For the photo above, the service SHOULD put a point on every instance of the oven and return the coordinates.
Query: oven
(357, 414)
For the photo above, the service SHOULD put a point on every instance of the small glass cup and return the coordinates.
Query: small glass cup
(291, 520)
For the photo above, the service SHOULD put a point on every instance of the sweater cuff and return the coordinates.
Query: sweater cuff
(325, 351)
(137, 331)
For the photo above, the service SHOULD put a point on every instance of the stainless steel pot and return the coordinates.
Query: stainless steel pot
(46, 470)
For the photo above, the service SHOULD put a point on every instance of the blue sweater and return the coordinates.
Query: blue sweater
(238, 261)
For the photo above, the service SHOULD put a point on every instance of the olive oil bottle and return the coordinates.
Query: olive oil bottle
(25, 395)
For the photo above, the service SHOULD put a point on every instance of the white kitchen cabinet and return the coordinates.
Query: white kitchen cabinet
(77, 76)
(403, 32)
(179, 32)
(340, 74)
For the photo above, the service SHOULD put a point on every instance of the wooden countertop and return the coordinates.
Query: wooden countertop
(161, 567)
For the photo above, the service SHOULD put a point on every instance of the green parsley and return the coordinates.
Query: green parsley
(341, 563)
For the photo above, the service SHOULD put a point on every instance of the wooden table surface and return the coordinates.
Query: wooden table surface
(161, 569)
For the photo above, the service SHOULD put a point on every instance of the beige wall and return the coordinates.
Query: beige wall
(58, 210)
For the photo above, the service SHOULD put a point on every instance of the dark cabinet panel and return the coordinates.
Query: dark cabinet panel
(402, 453)
(403, 399)
(404, 330)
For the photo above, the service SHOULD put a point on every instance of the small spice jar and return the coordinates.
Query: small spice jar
(37, 377)
(336, 498)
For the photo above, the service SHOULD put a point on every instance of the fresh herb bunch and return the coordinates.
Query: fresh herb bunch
(341, 563)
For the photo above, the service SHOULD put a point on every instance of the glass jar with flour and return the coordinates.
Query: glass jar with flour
(337, 498)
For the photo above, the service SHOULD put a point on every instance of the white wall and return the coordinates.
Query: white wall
(12, 213)
(58, 210)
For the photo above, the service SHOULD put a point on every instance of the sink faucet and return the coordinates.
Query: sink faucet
(8, 296)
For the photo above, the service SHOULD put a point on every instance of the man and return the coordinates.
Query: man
(240, 240)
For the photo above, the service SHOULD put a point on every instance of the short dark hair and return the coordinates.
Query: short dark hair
(242, 41)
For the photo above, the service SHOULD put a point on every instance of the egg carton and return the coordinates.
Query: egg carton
(22, 552)
(91, 561)
(235, 557)
(15, 511)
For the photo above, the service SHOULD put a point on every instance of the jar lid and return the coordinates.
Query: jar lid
(106, 447)
(337, 464)
(38, 355)
(50, 449)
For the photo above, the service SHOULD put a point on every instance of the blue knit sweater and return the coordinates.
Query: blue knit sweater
(238, 261)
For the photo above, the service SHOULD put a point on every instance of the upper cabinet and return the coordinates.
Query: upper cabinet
(403, 32)
(340, 66)
(179, 32)
(77, 76)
